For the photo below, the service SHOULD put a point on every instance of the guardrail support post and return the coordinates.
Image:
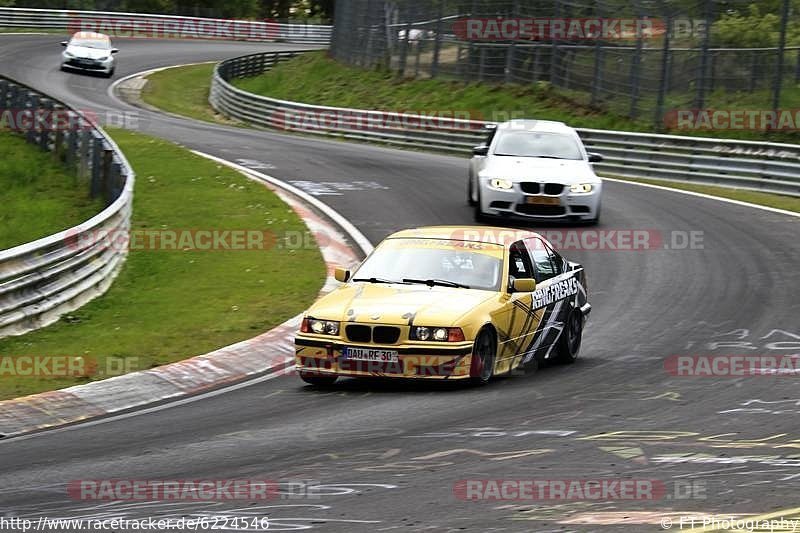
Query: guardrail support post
(3, 95)
(45, 124)
(96, 151)
(662, 87)
(437, 45)
(72, 140)
(32, 104)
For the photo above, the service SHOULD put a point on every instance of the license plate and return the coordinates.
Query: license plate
(370, 355)
(542, 200)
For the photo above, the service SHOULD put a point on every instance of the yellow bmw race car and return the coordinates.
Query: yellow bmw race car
(446, 302)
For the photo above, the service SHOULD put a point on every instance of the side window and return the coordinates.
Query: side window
(519, 261)
(556, 260)
(540, 255)
(490, 135)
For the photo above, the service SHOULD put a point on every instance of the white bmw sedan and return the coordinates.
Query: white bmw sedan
(89, 51)
(534, 169)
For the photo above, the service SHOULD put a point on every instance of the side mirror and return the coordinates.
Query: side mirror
(522, 285)
(64, 43)
(114, 50)
(480, 150)
(595, 158)
(341, 274)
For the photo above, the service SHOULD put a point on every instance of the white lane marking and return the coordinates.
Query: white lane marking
(331, 213)
(707, 196)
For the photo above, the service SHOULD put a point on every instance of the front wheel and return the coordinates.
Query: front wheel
(483, 355)
(479, 215)
(318, 380)
(569, 344)
(470, 200)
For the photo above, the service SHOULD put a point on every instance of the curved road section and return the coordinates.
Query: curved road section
(622, 440)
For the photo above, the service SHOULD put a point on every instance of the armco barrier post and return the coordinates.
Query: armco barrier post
(72, 141)
(31, 103)
(58, 134)
(96, 186)
(84, 153)
(105, 172)
(44, 133)
(115, 181)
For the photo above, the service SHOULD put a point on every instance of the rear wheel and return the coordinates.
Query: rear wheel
(484, 352)
(569, 344)
(318, 380)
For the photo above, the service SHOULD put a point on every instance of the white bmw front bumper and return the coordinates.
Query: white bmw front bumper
(540, 200)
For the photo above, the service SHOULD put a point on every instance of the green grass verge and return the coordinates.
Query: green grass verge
(788, 203)
(314, 78)
(169, 305)
(183, 91)
(38, 195)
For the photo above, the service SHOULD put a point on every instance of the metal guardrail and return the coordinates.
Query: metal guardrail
(760, 166)
(120, 24)
(43, 279)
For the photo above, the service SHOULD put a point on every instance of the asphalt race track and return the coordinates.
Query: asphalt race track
(389, 456)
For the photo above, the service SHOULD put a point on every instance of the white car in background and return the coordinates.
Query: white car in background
(89, 51)
(535, 170)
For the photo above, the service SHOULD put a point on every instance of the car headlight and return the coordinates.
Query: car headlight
(499, 183)
(320, 327)
(581, 187)
(437, 334)
(67, 54)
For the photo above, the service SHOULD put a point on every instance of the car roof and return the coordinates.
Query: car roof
(90, 35)
(483, 234)
(535, 125)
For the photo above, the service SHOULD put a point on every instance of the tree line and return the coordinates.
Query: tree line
(243, 9)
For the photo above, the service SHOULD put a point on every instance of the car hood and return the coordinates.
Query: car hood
(537, 169)
(88, 53)
(397, 304)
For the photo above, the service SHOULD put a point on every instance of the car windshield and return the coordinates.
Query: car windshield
(537, 144)
(99, 44)
(437, 262)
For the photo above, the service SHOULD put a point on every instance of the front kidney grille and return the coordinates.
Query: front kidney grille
(378, 334)
(358, 333)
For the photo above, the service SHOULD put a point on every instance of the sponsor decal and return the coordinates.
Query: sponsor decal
(544, 296)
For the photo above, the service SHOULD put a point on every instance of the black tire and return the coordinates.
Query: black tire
(318, 380)
(485, 349)
(479, 215)
(470, 201)
(569, 343)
